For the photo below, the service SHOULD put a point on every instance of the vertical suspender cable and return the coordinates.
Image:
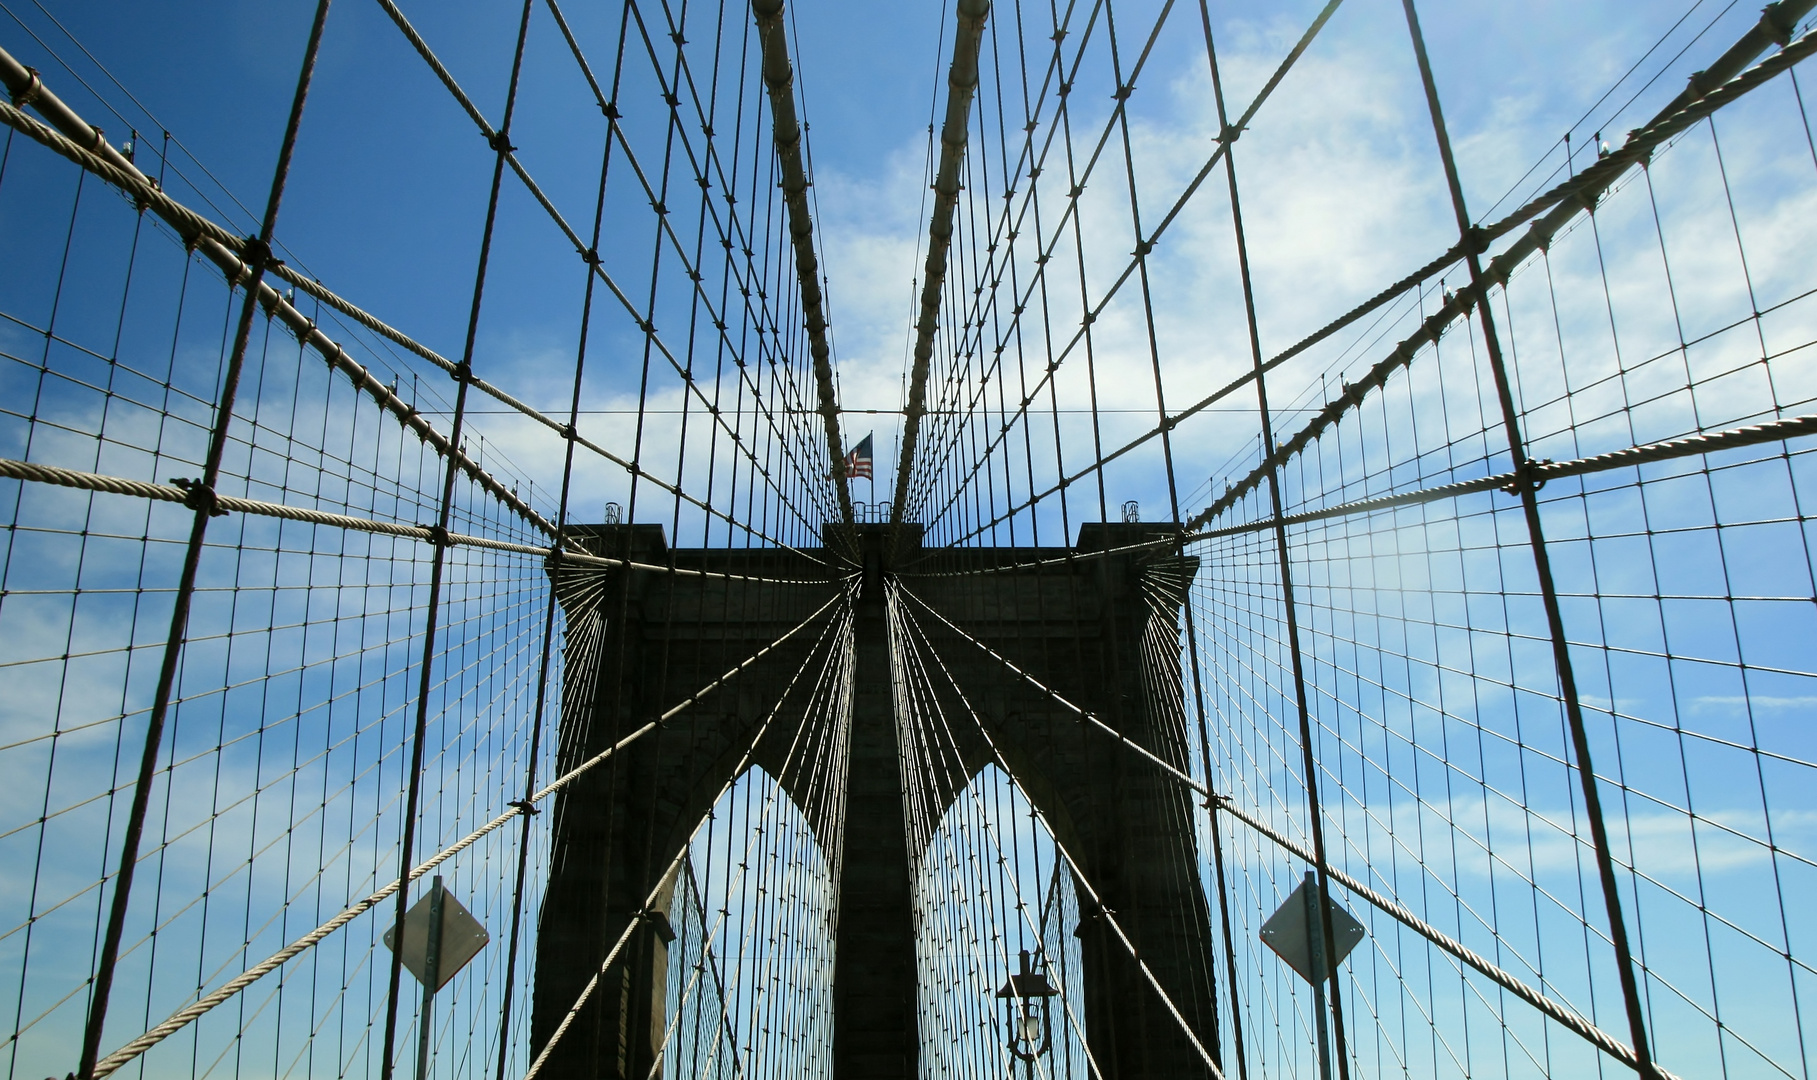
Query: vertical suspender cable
(1524, 483)
(202, 500)
(1308, 756)
(555, 567)
(463, 373)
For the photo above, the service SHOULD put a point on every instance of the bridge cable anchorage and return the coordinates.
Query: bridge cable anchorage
(526, 807)
(962, 84)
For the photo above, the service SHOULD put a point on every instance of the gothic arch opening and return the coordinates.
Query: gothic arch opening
(990, 885)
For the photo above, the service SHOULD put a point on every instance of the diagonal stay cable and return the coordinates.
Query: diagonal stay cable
(202, 503)
(1594, 182)
(1084, 714)
(1564, 202)
(1079, 875)
(116, 485)
(1563, 1014)
(735, 774)
(1170, 539)
(1559, 1012)
(1542, 471)
(223, 250)
(727, 232)
(1144, 245)
(1774, 27)
(1117, 116)
(580, 246)
(183, 1017)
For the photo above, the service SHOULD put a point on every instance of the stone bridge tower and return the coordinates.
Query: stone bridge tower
(1101, 630)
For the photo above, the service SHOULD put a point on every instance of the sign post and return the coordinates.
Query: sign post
(1296, 933)
(440, 936)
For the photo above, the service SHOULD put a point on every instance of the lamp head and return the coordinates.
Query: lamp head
(1026, 994)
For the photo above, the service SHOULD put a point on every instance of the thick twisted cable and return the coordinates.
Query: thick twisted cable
(185, 1016)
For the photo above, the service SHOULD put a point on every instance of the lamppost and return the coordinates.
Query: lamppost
(1025, 997)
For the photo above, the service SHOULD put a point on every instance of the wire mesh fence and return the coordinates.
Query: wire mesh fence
(1495, 608)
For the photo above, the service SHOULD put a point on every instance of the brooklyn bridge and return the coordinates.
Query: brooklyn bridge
(1200, 540)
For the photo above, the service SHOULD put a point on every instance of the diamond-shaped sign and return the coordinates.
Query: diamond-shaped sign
(462, 938)
(1285, 931)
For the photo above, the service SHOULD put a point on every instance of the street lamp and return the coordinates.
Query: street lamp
(1029, 1028)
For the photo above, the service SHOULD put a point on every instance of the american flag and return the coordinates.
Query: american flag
(858, 462)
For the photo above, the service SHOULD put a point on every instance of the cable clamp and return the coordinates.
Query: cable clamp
(256, 253)
(1229, 133)
(590, 256)
(438, 536)
(33, 87)
(1777, 24)
(525, 807)
(569, 433)
(658, 922)
(1090, 915)
(500, 142)
(463, 372)
(611, 111)
(199, 496)
(1526, 476)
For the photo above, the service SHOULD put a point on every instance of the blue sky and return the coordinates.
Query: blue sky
(1342, 193)
(389, 181)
